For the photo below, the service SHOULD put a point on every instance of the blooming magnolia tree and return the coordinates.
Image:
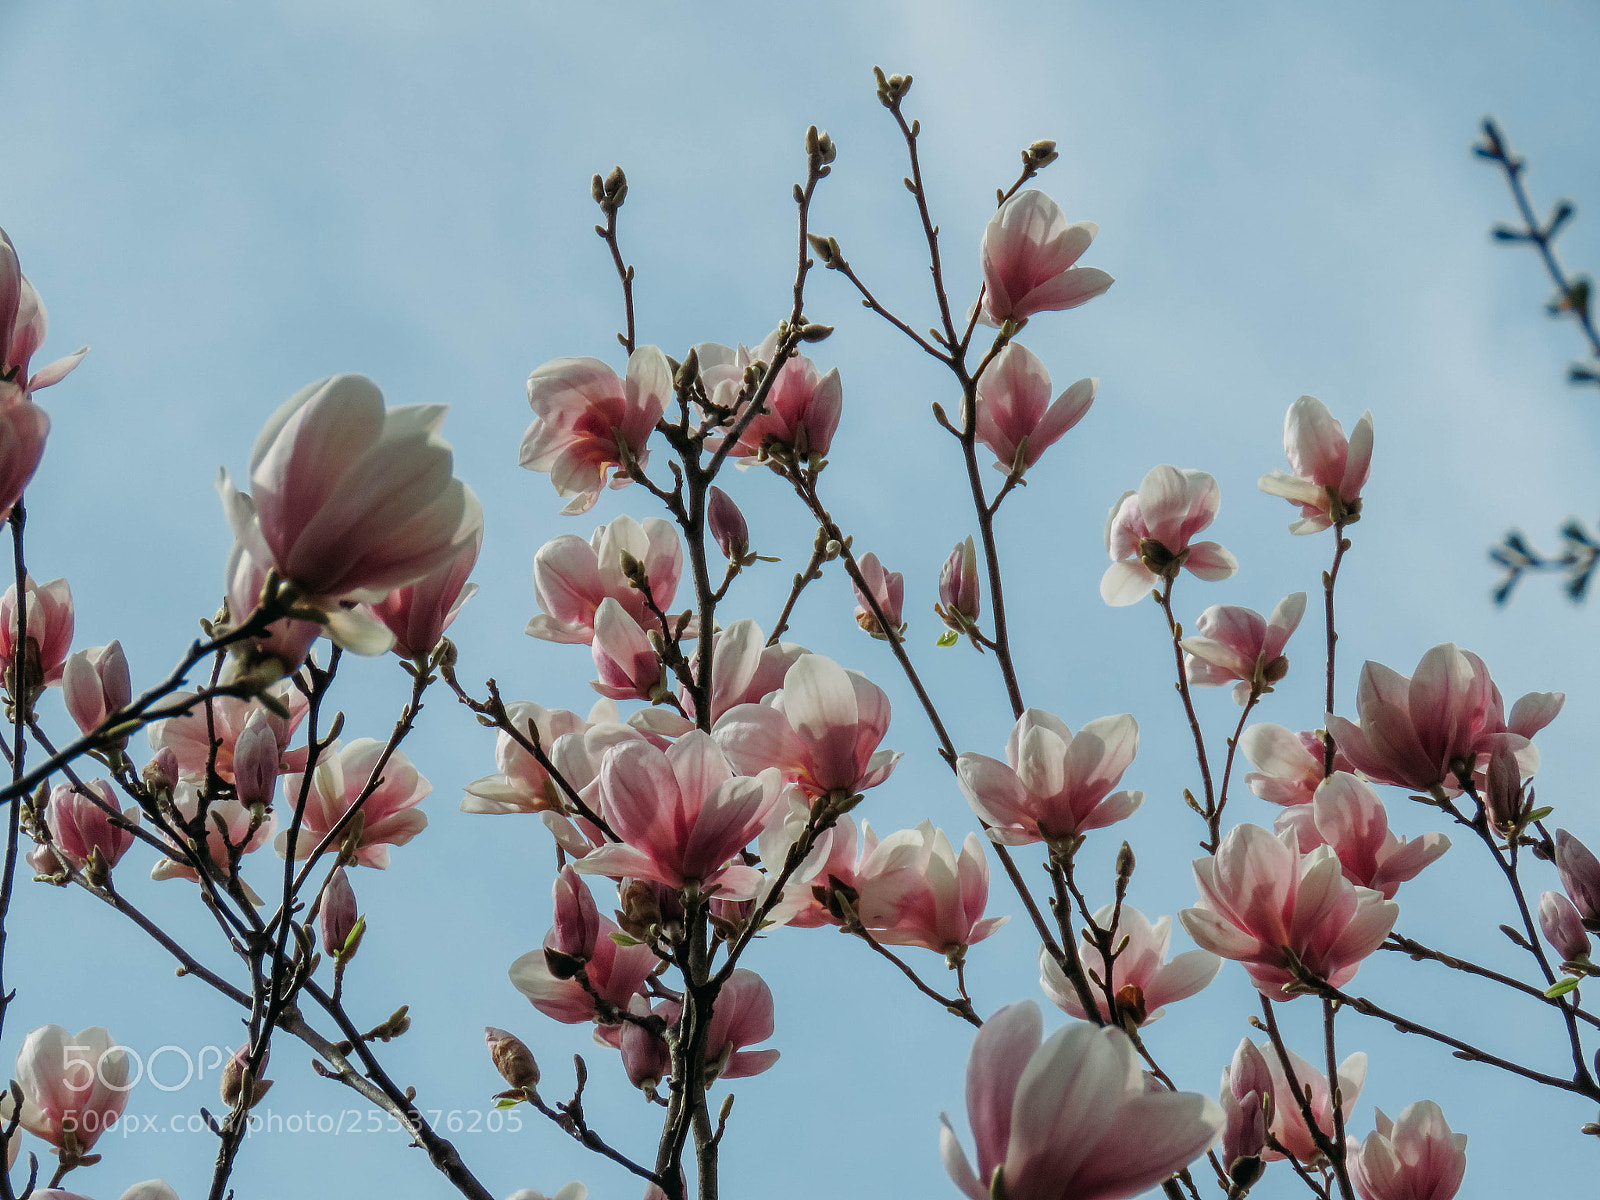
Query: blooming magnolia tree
(722, 787)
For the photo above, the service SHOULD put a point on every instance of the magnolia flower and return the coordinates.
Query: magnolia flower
(353, 500)
(94, 684)
(23, 325)
(624, 658)
(682, 815)
(187, 737)
(646, 1057)
(821, 730)
(1288, 765)
(232, 828)
(1288, 1122)
(1149, 535)
(1016, 419)
(1348, 815)
(802, 407)
(74, 1086)
(573, 1191)
(1142, 980)
(888, 588)
(587, 422)
(49, 614)
(24, 426)
(571, 576)
(419, 613)
(1056, 785)
(248, 574)
(1431, 730)
(615, 974)
(150, 1189)
(915, 891)
(1329, 471)
(741, 1017)
(1069, 1118)
(1028, 256)
(1276, 910)
(389, 817)
(1414, 1158)
(521, 784)
(1235, 643)
(80, 827)
(744, 670)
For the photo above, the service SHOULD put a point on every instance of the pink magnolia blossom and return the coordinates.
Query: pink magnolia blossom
(1288, 1122)
(960, 593)
(587, 422)
(23, 325)
(744, 670)
(1247, 1094)
(1288, 764)
(186, 737)
(1329, 471)
(256, 761)
(742, 1016)
(1015, 415)
(1029, 258)
(1142, 980)
(1236, 643)
(628, 665)
(1580, 876)
(682, 815)
(822, 730)
(79, 827)
(1416, 1157)
(888, 588)
(521, 784)
(24, 426)
(419, 613)
(802, 408)
(352, 499)
(1053, 784)
(1150, 532)
(1069, 1118)
(832, 863)
(576, 924)
(572, 1191)
(1348, 815)
(95, 683)
(615, 973)
(250, 571)
(72, 1084)
(646, 1057)
(571, 576)
(1563, 927)
(1265, 904)
(49, 613)
(390, 814)
(150, 1189)
(915, 891)
(240, 833)
(1431, 729)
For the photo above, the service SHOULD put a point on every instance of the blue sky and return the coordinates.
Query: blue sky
(229, 201)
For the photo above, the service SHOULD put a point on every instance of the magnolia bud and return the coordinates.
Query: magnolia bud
(959, 590)
(512, 1058)
(161, 772)
(728, 525)
(233, 1078)
(1563, 927)
(1505, 796)
(577, 920)
(1580, 875)
(255, 760)
(95, 683)
(339, 916)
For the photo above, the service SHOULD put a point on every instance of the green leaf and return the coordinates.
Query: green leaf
(1539, 814)
(506, 1102)
(623, 939)
(1561, 988)
(948, 638)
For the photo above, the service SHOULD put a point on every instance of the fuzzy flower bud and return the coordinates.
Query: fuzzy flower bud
(728, 525)
(232, 1081)
(339, 916)
(512, 1058)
